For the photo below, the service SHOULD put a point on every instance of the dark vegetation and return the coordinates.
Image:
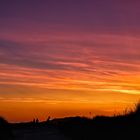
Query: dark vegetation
(5, 130)
(119, 127)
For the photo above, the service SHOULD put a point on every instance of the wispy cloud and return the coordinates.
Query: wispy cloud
(72, 62)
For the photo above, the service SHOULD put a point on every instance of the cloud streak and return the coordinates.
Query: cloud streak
(87, 52)
(103, 58)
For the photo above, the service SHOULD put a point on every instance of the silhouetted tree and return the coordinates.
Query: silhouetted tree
(5, 130)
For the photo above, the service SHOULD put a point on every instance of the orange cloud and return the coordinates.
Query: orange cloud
(89, 70)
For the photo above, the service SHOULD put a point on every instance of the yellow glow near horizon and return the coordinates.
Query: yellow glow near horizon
(76, 77)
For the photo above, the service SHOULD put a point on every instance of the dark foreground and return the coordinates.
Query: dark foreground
(122, 127)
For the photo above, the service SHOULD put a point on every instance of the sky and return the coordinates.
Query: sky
(63, 58)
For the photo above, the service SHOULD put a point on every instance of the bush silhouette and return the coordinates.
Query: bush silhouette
(119, 127)
(5, 130)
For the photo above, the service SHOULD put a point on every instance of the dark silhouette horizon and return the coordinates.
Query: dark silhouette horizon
(117, 127)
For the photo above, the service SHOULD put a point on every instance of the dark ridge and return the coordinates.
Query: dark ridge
(119, 127)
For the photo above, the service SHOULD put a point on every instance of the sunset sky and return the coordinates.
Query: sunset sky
(68, 57)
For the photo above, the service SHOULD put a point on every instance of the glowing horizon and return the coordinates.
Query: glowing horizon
(61, 64)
